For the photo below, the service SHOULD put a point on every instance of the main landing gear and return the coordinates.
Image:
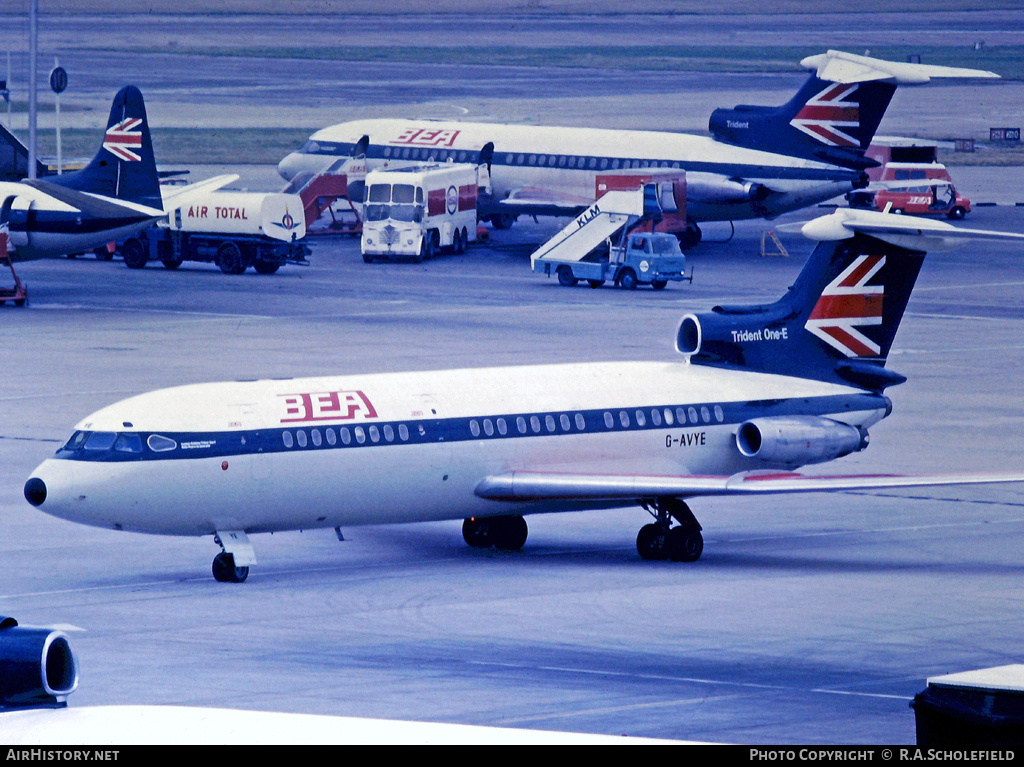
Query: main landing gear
(659, 540)
(503, 533)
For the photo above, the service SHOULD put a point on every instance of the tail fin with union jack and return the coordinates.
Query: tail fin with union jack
(124, 167)
(825, 121)
(836, 323)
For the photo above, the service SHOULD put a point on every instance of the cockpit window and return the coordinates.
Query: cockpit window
(128, 443)
(76, 440)
(100, 440)
(159, 444)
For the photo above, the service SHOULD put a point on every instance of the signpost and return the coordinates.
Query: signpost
(58, 83)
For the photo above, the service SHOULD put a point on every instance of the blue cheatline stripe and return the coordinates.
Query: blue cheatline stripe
(589, 163)
(147, 446)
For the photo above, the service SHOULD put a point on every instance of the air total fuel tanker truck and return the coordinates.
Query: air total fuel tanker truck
(234, 230)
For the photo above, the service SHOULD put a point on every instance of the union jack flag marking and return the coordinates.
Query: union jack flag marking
(123, 141)
(847, 303)
(829, 116)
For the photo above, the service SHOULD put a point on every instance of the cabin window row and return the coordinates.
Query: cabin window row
(625, 419)
(578, 162)
(584, 162)
(431, 154)
(346, 436)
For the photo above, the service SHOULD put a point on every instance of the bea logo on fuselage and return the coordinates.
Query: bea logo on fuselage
(426, 137)
(327, 406)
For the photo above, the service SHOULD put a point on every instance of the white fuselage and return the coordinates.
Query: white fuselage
(534, 162)
(41, 225)
(386, 448)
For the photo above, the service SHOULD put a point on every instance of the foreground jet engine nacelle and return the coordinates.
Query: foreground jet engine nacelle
(798, 440)
(37, 667)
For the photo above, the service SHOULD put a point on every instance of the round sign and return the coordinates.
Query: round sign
(58, 79)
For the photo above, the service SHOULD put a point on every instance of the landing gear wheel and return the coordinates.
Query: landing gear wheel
(684, 544)
(659, 540)
(503, 533)
(690, 237)
(651, 542)
(224, 570)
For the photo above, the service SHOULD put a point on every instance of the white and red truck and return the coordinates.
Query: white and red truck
(416, 211)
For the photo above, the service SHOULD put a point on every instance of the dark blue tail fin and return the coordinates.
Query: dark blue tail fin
(124, 167)
(825, 121)
(837, 322)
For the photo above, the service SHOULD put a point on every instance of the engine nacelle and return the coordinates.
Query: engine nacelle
(37, 666)
(14, 212)
(798, 440)
(712, 190)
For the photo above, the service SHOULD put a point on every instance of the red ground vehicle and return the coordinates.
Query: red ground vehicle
(920, 198)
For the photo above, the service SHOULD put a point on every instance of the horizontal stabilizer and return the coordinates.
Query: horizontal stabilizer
(537, 486)
(840, 67)
(911, 232)
(94, 206)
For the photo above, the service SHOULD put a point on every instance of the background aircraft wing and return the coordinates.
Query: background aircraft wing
(537, 486)
(175, 197)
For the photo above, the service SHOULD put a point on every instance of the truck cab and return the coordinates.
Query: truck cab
(651, 258)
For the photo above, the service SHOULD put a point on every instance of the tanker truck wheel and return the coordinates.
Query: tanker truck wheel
(266, 267)
(229, 259)
(134, 253)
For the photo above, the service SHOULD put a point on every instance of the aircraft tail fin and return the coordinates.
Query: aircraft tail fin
(825, 121)
(838, 320)
(14, 158)
(834, 116)
(124, 167)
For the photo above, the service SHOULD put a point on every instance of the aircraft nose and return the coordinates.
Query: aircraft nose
(35, 491)
(290, 166)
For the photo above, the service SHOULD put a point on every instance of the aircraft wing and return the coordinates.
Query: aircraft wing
(548, 486)
(538, 201)
(178, 196)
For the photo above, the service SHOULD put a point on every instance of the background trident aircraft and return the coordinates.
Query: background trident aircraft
(762, 390)
(113, 197)
(759, 163)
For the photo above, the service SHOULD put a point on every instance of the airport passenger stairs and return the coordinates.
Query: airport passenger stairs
(613, 211)
(337, 190)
